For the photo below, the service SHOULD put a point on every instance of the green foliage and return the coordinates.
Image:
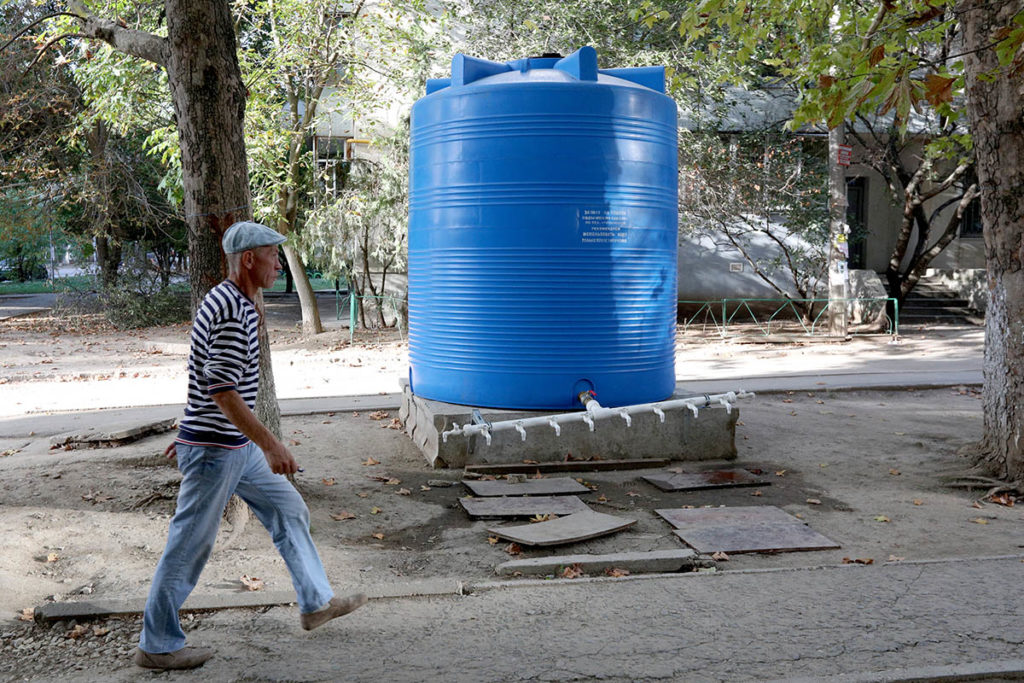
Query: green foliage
(624, 33)
(141, 299)
(363, 231)
(763, 194)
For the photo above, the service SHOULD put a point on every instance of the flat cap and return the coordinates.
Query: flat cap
(246, 235)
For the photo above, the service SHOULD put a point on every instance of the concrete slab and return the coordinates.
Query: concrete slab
(579, 526)
(522, 506)
(745, 529)
(95, 609)
(755, 538)
(654, 561)
(569, 466)
(112, 435)
(711, 436)
(698, 481)
(693, 518)
(530, 487)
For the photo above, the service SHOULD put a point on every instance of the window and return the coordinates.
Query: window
(970, 224)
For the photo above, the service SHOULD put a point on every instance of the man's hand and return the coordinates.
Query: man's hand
(280, 459)
(172, 451)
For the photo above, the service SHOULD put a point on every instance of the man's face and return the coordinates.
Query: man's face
(265, 266)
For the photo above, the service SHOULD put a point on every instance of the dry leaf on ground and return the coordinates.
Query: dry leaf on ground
(859, 560)
(370, 461)
(513, 549)
(77, 632)
(328, 482)
(379, 536)
(253, 583)
(1003, 499)
(979, 520)
(813, 501)
(719, 555)
(615, 572)
(918, 501)
(882, 518)
(27, 614)
(52, 557)
(894, 558)
(379, 415)
(424, 487)
(493, 540)
(756, 493)
(100, 631)
(404, 492)
(342, 516)
(375, 510)
(542, 518)
(571, 572)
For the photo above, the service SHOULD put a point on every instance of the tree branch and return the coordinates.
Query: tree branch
(127, 40)
(47, 46)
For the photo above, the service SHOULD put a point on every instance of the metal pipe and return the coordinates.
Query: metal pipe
(595, 411)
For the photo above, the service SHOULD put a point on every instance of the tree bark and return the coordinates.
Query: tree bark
(995, 108)
(307, 298)
(208, 95)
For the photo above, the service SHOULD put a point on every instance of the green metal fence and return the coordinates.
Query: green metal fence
(351, 302)
(721, 313)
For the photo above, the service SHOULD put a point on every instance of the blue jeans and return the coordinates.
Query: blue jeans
(209, 476)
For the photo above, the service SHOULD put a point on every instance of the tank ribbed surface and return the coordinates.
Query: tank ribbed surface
(542, 241)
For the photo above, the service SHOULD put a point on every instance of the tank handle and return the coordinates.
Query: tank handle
(435, 84)
(652, 77)
(465, 69)
(581, 65)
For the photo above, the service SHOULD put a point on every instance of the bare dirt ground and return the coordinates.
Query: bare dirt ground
(864, 468)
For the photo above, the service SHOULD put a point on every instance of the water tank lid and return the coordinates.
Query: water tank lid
(580, 65)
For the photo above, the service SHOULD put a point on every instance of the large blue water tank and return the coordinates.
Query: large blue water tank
(542, 234)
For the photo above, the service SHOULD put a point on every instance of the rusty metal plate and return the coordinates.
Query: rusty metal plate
(696, 518)
(697, 481)
(530, 487)
(755, 538)
(523, 506)
(579, 526)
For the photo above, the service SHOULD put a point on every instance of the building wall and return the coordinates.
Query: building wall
(884, 216)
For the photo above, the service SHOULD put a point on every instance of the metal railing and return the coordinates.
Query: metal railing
(353, 310)
(717, 313)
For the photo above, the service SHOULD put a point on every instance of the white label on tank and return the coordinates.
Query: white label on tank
(603, 226)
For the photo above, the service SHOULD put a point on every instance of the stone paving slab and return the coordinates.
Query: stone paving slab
(653, 561)
(686, 518)
(522, 506)
(530, 487)
(579, 526)
(755, 538)
(698, 481)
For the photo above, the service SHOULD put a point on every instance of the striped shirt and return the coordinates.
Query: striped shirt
(225, 356)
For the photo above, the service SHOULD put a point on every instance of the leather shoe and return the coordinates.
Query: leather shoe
(187, 657)
(335, 608)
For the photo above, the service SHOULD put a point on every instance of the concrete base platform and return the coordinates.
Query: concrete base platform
(711, 436)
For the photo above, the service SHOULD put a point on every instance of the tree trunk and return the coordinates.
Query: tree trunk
(108, 258)
(996, 114)
(311, 323)
(209, 105)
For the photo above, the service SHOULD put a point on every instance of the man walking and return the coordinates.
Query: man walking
(222, 449)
